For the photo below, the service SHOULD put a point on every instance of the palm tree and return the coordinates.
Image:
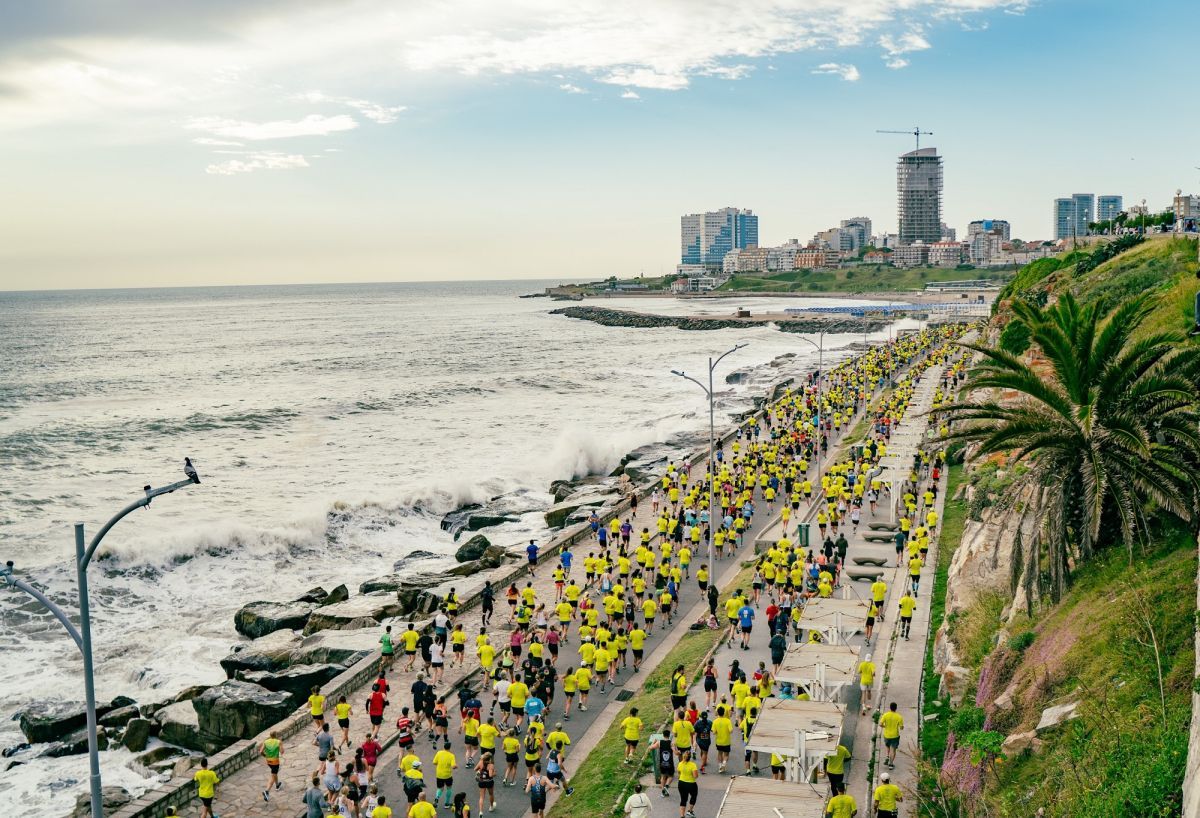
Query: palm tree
(1107, 424)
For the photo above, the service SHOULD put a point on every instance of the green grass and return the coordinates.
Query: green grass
(1125, 753)
(865, 278)
(933, 733)
(602, 782)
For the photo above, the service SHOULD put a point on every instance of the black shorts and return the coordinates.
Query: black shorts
(574, 603)
(724, 748)
(710, 684)
(318, 717)
(460, 648)
(870, 621)
(444, 782)
(678, 701)
(906, 619)
(377, 720)
(570, 694)
(471, 741)
(207, 802)
(747, 628)
(631, 742)
(344, 724)
(776, 769)
(537, 804)
(688, 790)
(505, 707)
(511, 758)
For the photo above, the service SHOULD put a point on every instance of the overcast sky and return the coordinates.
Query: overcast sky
(260, 141)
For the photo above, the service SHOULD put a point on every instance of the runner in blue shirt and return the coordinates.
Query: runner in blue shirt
(565, 558)
(745, 616)
(532, 551)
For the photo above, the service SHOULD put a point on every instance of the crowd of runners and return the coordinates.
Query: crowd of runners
(546, 657)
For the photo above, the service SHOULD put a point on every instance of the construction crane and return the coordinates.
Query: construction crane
(916, 131)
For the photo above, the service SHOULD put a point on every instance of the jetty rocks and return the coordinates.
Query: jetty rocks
(623, 318)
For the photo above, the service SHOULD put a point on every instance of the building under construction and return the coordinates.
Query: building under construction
(919, 196)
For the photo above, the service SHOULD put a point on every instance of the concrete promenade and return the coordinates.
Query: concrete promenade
(898, 661)
(241, 793)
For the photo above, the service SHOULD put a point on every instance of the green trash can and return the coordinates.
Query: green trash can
(803, 534)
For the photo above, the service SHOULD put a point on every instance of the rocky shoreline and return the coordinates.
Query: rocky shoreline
(623, 318)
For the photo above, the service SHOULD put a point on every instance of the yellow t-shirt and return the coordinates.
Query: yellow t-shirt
(343, 710)
(444, 763)
(421, 809)
(841, 806)
(866, 673)
(836, 762)
(487, 736)
(637, 638)
(316, 704)
(891, 722)
(907, 604)
(683, 731)
(886, 797)
(206, 783)
(382, 811)
(633, 728)
(688, 772)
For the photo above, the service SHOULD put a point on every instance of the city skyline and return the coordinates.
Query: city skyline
(350, 141)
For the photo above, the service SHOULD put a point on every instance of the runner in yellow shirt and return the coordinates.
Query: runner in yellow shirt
(891, 723)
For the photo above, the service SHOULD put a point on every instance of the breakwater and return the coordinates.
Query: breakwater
(624, 318)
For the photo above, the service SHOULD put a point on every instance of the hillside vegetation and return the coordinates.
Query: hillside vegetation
(1119, 641)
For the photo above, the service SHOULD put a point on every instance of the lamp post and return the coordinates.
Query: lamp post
(712, 458)
(83, 635)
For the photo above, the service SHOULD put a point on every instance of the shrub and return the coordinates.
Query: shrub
(1022, 640)
(1014, 337)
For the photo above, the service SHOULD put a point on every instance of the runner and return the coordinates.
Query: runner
(538, 785)
(485, 779)
(206, 788)
(689, 787)
(887, 798)
(272, 751)
(891, 723)
(632, 726)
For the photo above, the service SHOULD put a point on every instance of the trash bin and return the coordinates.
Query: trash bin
(803, 534)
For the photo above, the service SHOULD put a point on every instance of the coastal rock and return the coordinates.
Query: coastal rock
(557, 514)
(397, 582)
(236, 709)
(261, 618)
(339, 615)
(986, 557)
(624, 318)
(339, 594)
(336, 647)
(492, 557)
(1056, 715)
(1018, 743)
(190, 692)
(75, 744)
(120, 701)
(271, 652)
(49, 721)
(955, 681)
(405, 563)
(120, 716)
(137, 733)
(416, 601)
(472, 549)
(157, 755)
(112, 798)
(179, 724)
(561, 490)
(316, 595)
(296, 681)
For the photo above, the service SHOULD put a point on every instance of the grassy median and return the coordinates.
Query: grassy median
(602, 782)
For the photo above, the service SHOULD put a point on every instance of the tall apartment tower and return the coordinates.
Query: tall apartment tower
(705, 238)
(919, 196)
(1107, 207)
(1072, 215)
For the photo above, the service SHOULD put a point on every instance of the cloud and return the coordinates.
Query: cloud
(846, 71)
(571, 89)
(263, 160)
(311, 125)
(906, 43)
(139, 71)
(208, 140)
(629, 93)
(382, 114)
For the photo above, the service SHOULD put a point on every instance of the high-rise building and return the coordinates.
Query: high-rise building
(1107, 208)
(997, 226)
(919, 196)
(1072, 216)
(705, 238)
(858, 233)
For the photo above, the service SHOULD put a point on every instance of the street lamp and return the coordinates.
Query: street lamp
(83, 635)
(712, 458)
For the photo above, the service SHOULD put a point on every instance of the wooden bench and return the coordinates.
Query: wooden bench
(878, 562)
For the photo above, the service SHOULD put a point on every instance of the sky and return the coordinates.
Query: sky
(202, 142)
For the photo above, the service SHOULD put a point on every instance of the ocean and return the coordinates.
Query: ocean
(332, 426)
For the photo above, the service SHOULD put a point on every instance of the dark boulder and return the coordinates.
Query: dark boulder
(472, 549)
(118, 717)
(341, 615)
(75, 744)
(137, 733)
(337, 647)
(180, 724)
(112, 798)
(272, 652)
(405, 563)
(261, 618)
(396, 582)
(236, 709)
(315, 595)
(48, 721)
(120, 701)
(297, 681)
(339, 594)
